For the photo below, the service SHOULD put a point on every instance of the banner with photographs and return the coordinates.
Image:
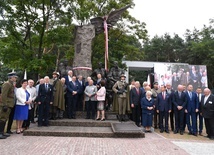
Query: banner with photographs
(183, 74)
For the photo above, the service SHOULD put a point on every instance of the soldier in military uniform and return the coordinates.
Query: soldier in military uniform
(7, 102)
(121, 89)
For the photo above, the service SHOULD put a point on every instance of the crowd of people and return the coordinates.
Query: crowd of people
(181, 107)
(59, 98)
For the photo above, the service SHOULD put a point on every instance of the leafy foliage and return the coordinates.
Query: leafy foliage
(37, 34)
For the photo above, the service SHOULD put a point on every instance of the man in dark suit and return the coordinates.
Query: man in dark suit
(164, 108)
(135, 98)
(68, 77)
(198, 114)
(179, 101)
(72, 91)
(45, 98)
(191, 110)
(80, 95)
(171, 92)
(207, 108)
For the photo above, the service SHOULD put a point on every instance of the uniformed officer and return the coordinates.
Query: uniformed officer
(120, 88)
(7, 102)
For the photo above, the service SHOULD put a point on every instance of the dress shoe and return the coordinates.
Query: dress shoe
(211, 138)
(103, 119)
(161, 131)
(175, 131)
(195, 134)
(181, 132)
(9, 132)
(190, 133)
(200, 134)
(18, 131)
(2, 136)
(167, 131)
(138, 125)
(6, 134)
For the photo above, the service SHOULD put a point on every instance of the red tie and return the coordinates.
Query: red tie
(163, 95)
(137, 91)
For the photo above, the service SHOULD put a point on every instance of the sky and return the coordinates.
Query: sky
(173, 16)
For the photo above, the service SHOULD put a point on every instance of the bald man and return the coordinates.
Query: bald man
(179, 102)
(207, 108)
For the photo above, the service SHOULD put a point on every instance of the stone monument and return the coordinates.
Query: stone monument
(83, 39)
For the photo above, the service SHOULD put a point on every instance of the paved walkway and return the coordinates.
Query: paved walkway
(153, 143)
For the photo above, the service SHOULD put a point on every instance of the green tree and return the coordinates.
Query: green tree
(36, 35)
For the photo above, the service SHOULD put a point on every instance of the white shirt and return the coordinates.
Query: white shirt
(205, 98)
(69, 78)
(33, 93)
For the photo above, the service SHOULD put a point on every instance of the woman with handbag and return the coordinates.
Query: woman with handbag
(101, 95)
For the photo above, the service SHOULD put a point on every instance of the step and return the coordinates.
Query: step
(110, 115)
(87, 128)
(128, 130)
(81, 122)
(70, 131)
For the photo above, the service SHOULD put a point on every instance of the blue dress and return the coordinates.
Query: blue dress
(147, 115)
(21, 111)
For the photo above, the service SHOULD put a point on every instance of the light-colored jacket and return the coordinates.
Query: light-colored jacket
(21, 96)
(33, 93)
(101, 94)
(90, 90)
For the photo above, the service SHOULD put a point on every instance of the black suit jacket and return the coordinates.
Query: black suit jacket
(44, 95)
(207, 108)
(72, 87)
(135, 98)
(81, 87)
(179, 101)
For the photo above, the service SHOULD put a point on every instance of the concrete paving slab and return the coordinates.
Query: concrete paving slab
(196, 148)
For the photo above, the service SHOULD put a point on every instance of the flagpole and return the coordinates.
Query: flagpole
(106, 43)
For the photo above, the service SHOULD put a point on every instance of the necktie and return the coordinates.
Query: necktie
(137, 91)
(190, 95)
(46, 87)
(163, 95)
(179, 93)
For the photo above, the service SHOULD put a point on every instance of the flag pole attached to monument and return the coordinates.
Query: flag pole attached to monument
(106, 43)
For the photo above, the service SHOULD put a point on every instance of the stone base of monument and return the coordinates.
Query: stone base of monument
(87, 128)
(128, 130)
